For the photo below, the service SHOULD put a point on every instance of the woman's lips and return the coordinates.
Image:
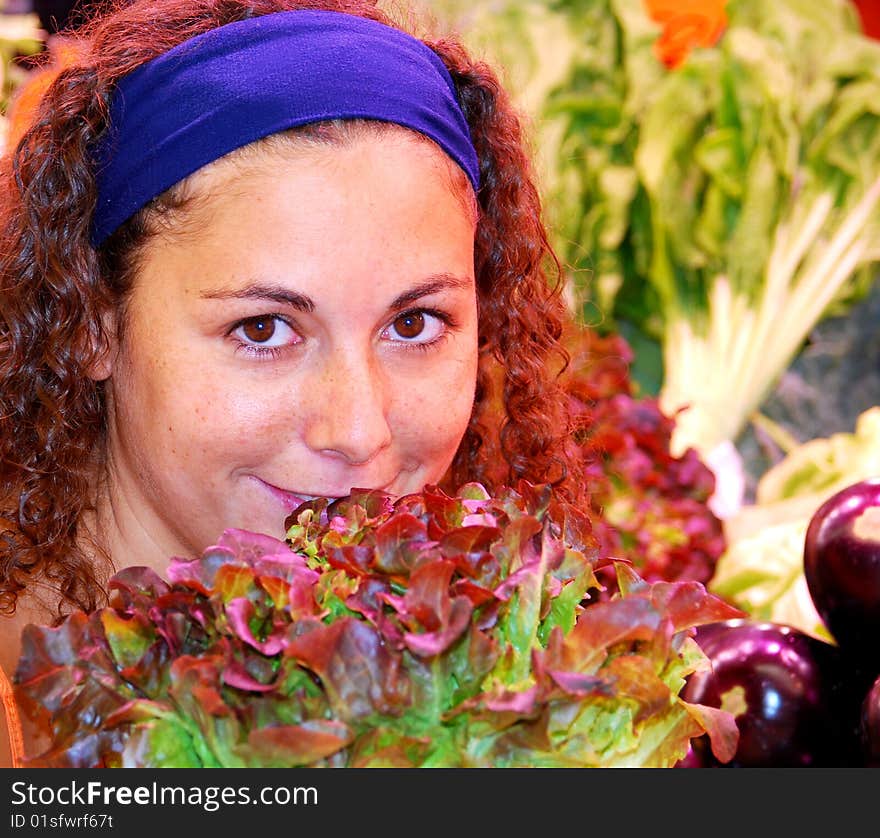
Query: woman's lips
(288, 500)
(291, 500)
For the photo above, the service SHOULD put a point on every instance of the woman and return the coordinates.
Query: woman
(256, 251)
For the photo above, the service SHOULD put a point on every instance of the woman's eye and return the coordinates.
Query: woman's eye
(415, 327)
(266, 332)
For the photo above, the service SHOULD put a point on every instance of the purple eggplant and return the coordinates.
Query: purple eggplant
(793, 711)
(842, 569)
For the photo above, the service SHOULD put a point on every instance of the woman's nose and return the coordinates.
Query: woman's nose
(349, 414)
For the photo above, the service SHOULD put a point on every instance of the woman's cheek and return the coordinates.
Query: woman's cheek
(255, 421)
(437, 418)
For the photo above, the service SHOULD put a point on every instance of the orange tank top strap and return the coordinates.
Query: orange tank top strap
(13, 723)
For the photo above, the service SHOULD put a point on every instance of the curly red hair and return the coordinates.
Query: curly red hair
(54, 287)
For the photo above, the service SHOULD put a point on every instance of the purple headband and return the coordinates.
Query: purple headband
(235, 84)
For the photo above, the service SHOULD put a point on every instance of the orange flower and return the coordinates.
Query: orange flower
(686, 24)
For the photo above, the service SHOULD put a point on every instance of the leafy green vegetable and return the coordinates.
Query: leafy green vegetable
(726, 205)
(434, 630)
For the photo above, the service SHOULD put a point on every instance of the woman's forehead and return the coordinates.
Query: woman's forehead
(321, 165)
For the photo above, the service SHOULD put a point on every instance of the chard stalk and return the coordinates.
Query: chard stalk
(724, 372)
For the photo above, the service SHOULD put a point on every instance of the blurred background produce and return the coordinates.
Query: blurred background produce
(752, 162)
(20, 36)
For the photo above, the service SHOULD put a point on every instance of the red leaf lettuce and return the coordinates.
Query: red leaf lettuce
(433, 630)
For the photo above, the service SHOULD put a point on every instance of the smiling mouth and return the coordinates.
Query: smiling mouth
(289, 500)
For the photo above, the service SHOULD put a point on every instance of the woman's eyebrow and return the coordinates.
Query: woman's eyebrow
(260, 291)
(437, 283)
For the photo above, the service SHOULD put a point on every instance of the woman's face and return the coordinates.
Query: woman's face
(309, 329)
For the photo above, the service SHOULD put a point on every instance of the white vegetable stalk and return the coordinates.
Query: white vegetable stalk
(719, 376)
